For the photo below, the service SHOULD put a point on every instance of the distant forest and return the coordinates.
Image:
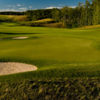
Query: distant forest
(83, 15)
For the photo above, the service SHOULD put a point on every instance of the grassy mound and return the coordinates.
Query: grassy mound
(42, 23)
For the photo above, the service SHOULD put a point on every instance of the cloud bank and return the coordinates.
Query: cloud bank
(8, 10)
(10, 6)
(30, 6)
(19, 5)
(25, 8)
(73, 6)
(52, 7)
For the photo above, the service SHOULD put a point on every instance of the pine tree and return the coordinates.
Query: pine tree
(64, 15)
(79, 13)
(86, 12)
(96, 13)
(83, 18)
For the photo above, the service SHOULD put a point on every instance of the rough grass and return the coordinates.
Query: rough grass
(54, 25)
(86, 27)
(42, 23)
(58, 89)
(45, 20)
(13, 18)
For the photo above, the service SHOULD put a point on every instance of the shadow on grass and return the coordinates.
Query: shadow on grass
(33, 37)
(1, 33)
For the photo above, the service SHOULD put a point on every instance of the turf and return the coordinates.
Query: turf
(58, 53)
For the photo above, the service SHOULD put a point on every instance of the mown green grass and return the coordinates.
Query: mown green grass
(57, 53)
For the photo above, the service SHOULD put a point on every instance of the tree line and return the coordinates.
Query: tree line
(83, 14)
(12, 13)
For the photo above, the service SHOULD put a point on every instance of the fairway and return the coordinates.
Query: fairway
(57, 53)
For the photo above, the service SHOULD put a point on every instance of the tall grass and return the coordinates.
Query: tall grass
(57, 89)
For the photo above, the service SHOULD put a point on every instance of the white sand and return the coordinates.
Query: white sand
(20, 37)
(12, 67)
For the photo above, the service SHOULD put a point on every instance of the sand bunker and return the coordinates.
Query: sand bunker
(20, 37)
(12, 67)
(14, 38)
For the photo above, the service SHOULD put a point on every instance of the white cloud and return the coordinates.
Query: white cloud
(23, 8)
(73, 6)
(13, 10)
(30, 6)
(52, 7)
(19, 5)
(8, 10)
(10, 6)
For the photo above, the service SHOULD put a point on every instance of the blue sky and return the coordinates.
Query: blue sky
(23, 5)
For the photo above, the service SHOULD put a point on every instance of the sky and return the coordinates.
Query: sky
(23, 5)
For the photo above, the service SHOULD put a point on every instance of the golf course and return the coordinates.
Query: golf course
(50, 50)
(56, 52)
(67, 61)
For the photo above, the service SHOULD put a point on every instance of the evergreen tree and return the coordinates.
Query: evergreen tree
(96, 13)
(83, 18)
(87, 12)
(64, 15)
